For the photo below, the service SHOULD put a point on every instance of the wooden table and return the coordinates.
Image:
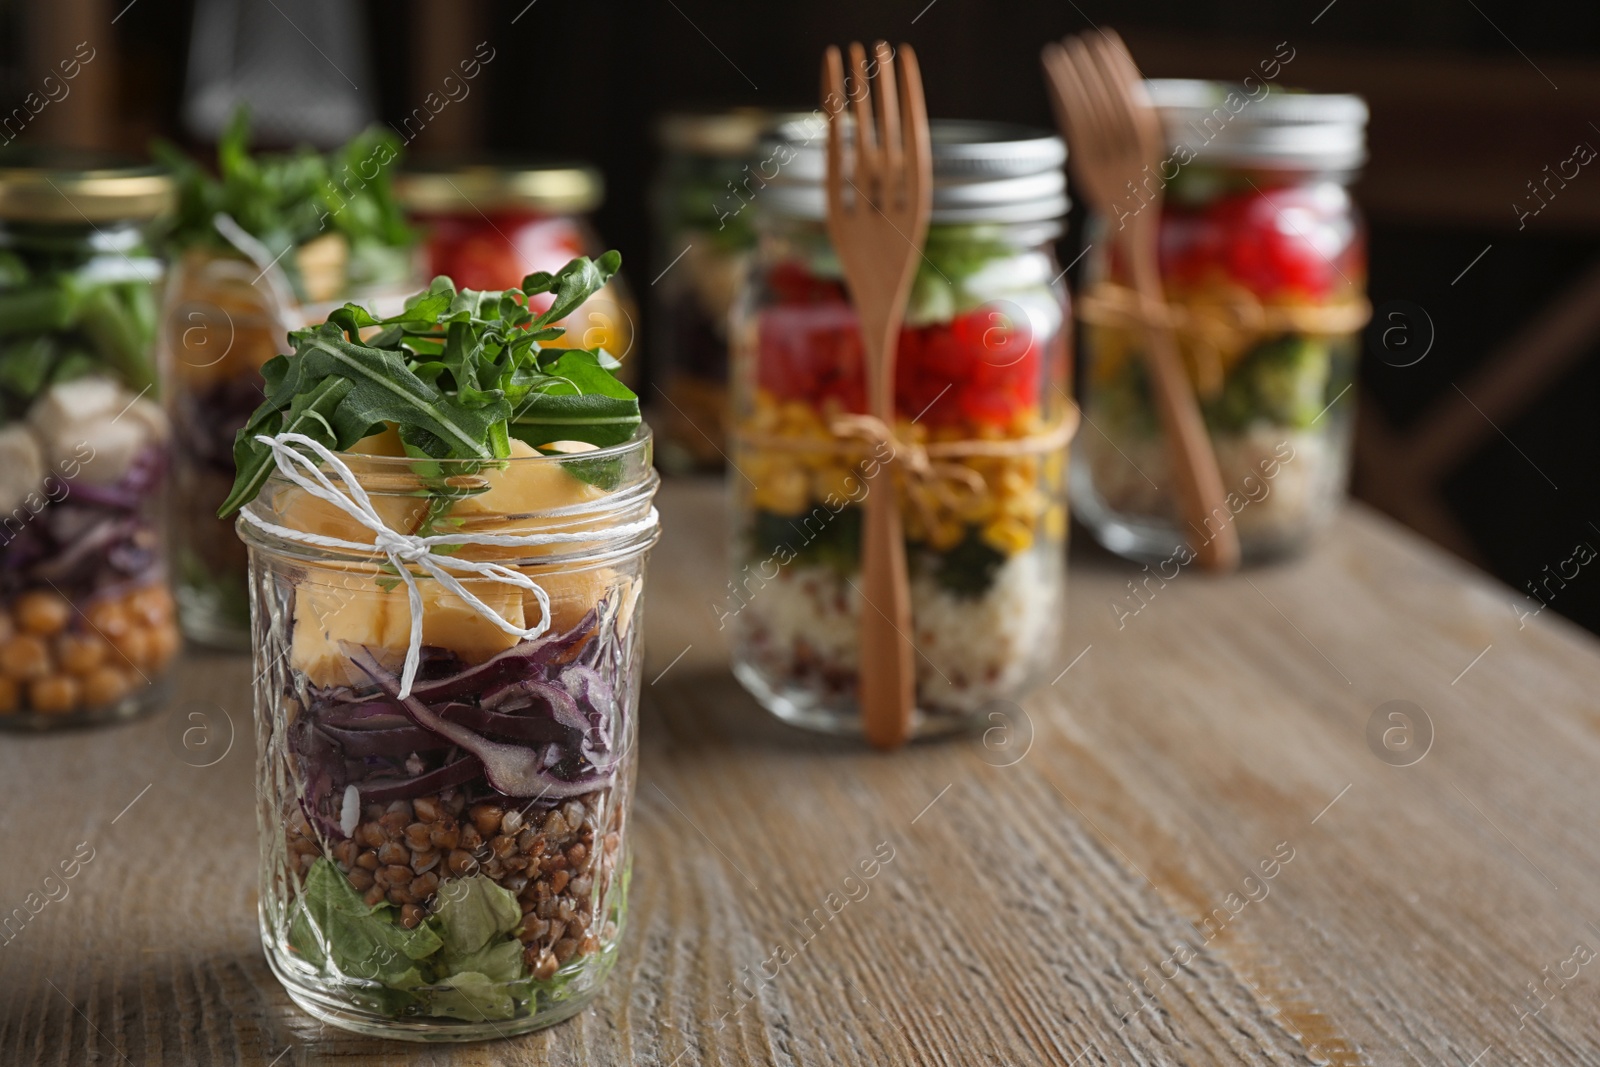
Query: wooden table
(1084, 885)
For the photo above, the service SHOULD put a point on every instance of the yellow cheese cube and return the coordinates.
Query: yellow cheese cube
(337, 612)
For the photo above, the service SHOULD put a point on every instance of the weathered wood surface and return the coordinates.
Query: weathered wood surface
(1042, 879)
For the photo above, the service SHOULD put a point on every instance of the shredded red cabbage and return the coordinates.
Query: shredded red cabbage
(534, 724)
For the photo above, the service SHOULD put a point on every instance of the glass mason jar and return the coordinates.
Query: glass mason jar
(980, 379)
(87, 628)
(222, 323)
(1263, 259)
(704, 238)
(488, 227)
(451, 865)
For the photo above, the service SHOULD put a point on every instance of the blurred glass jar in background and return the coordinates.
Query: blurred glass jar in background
(87, 629)
(223, 322)
(704, 234)
(489, 226)
(1263, 259)
(980, 380)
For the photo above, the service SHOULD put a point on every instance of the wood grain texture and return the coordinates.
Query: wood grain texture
(1042, 881)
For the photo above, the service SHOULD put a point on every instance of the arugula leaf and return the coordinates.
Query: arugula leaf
(581, 400)
(287, 199)
(458, 373)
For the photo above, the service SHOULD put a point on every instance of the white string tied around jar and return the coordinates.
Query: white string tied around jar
(406, 551)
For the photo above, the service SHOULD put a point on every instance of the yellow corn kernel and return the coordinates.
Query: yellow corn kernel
(783, 490)
(1024, 506)
(1054, 465)
(945, 535)
(1055, 522)
(1014, 481)
(1007, 536)
(833, 477)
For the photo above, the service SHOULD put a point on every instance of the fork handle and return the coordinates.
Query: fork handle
(886, 677)
(1201, 497)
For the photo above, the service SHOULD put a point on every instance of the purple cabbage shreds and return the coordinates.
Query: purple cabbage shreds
(522, 724)
(382, 790)
(514, 664)
(531, 693)
(514, 770)
(394, 741)
(513, 727)
(323, 774)
(593, 694)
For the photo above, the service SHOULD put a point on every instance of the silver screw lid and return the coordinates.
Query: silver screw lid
(982, 171)
(1224, 123)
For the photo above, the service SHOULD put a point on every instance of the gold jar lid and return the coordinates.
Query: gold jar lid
(731, 134)
(553, 188)
(80, 187)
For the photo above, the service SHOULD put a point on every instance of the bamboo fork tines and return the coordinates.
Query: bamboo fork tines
(1115, 136)
(879, 201)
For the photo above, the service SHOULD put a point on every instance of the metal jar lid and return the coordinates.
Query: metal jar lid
(730, 134)
(982, 171)
(550, 188)
(81, 188)
(1223, 123)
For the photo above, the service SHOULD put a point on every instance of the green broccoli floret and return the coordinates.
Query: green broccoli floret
(1282, 381)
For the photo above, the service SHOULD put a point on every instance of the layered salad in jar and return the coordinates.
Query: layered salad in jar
(445, 764)
(267, 241)
(86, 619)
(981, 359)
(1267, 279)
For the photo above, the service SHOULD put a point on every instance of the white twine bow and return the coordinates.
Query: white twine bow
(409, 550)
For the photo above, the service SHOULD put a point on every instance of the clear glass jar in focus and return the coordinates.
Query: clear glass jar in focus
(87, 627)
(222, 324)
(1263, 256)
(403, 894)
(704, 236)
(488, 226)
(982, 358)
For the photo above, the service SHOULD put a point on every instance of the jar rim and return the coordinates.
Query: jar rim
(626, 503)
(81, 188)
(982, 171)
(556, 187)
(1277, 128)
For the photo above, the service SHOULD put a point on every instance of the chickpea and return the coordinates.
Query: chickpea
(105, 685)
(55, 694)
(153, 604)
(42, 612)
(164, 644)
(80, 653)
(25, 657)
(109, 617)
(134, 644)
(9, 696)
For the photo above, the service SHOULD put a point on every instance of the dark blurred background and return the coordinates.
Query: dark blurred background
(1487, 444)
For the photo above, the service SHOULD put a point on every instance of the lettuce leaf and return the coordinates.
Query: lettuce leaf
(471, 996)
(472, 913)
(334, 926)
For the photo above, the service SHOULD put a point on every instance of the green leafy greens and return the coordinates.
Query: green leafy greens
(462, 961)
(459, 373)
(287, 199)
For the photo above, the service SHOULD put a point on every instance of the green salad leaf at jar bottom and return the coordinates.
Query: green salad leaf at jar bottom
(461, 962)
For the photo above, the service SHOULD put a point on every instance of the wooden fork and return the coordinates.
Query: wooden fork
(1116, 140)
(879, 201)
